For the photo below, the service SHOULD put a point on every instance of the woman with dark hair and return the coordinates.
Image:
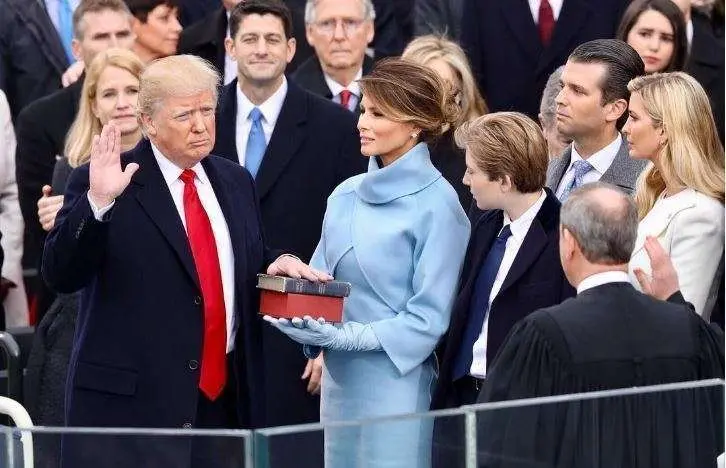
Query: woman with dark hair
(398, 234)
(656, 29)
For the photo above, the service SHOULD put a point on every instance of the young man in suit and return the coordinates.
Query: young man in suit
(176, 232)
(42, 126)
(340, 32)
(592, 107)
(609, 336)
(512, 267)
(298, 147)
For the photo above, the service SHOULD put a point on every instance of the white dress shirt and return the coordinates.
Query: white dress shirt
(171, 173)
(598, 279)
(600, 162)
(270, 110)
(556, 6)
(519, 228)
(336, 88)
(230, 65)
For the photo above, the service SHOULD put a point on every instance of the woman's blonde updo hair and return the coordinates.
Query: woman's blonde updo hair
(406, 92)
(78, 142)
(425, 49)
(692, 155)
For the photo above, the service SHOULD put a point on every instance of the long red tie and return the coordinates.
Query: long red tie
(204, 250)
(545, 22)
(345, 98)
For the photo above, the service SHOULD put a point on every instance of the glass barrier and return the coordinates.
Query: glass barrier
(674, 425)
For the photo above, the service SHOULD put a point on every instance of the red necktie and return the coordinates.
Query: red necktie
(345, 98)
(545, 22)
(204, 250)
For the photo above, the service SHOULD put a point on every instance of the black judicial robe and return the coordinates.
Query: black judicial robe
(607, 337)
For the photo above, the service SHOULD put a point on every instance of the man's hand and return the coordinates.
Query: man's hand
(293, 267)
(663, 282)
(107, 179)
(314, 372)
(73, 73)
(48, 207)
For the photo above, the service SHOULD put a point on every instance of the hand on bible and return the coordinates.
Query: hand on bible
(663, 281)
(107, 179)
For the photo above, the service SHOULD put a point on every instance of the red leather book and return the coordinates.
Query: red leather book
(290, 305)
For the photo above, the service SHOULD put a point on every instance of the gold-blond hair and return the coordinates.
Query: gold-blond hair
(424, 49)
(692, 155)
(86, 124)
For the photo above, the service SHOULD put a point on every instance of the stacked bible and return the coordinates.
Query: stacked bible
(284, 297)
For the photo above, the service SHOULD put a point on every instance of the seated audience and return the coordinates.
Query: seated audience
(608, 337)
(556, 142)
(448, 60)
(591, 109)
(680, 196)
(657, 31)
(156, 26)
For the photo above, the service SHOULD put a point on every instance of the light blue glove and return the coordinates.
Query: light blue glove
(351, 336)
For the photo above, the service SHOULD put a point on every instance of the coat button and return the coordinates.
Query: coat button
(197, 300)
(187, 425)
(194, 364)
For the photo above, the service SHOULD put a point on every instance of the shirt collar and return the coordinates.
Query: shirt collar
(520, 226)
(171, 171)
(270, 109)
(598, 279)
(336, 88)
(600, 160)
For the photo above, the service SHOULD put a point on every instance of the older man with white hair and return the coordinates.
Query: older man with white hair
(165, 242)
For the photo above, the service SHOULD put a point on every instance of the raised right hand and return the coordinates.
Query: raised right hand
(107, 179)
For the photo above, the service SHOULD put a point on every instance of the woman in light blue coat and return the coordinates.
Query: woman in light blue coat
(398, 234)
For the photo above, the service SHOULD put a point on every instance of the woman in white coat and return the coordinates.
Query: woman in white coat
(680, 196)
(11, 226)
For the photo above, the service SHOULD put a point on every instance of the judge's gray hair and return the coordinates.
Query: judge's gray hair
(176, 75)
(369, 12)
(603, 220)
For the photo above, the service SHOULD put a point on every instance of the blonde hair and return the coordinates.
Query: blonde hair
(507, 144)
(692, 155)
(86, 124)
(176, 75)
(425, 49)
(407, 92)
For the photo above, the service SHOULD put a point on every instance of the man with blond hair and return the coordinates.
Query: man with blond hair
(165, 243)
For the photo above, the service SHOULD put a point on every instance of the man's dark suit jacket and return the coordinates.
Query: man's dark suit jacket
(32, 59)
(314, 147)
(535, 280)
(706, 64)
(507, 56)
(140, 325)
(608, 337)
(623, 172)
(41, 133)
(310, 76)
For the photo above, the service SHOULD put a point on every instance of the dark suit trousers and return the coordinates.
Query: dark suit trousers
(217, 451)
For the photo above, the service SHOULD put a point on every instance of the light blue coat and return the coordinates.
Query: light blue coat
(399, 235)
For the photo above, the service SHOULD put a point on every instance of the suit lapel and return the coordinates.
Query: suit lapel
(286, 138)
(519, 17)
(572, 18)
(226, 138)
(154, 197)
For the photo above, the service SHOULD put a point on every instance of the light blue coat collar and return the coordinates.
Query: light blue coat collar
(409, 174)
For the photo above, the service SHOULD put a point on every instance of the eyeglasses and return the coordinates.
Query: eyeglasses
(328, 27)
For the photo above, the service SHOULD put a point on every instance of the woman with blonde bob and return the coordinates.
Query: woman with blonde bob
(110, 92)
(680, 195)
(449, 61)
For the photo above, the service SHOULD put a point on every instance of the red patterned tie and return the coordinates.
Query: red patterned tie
(204, 250)
(345, 98)
(545, 22)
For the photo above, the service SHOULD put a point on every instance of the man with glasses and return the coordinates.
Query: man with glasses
(340, 32)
